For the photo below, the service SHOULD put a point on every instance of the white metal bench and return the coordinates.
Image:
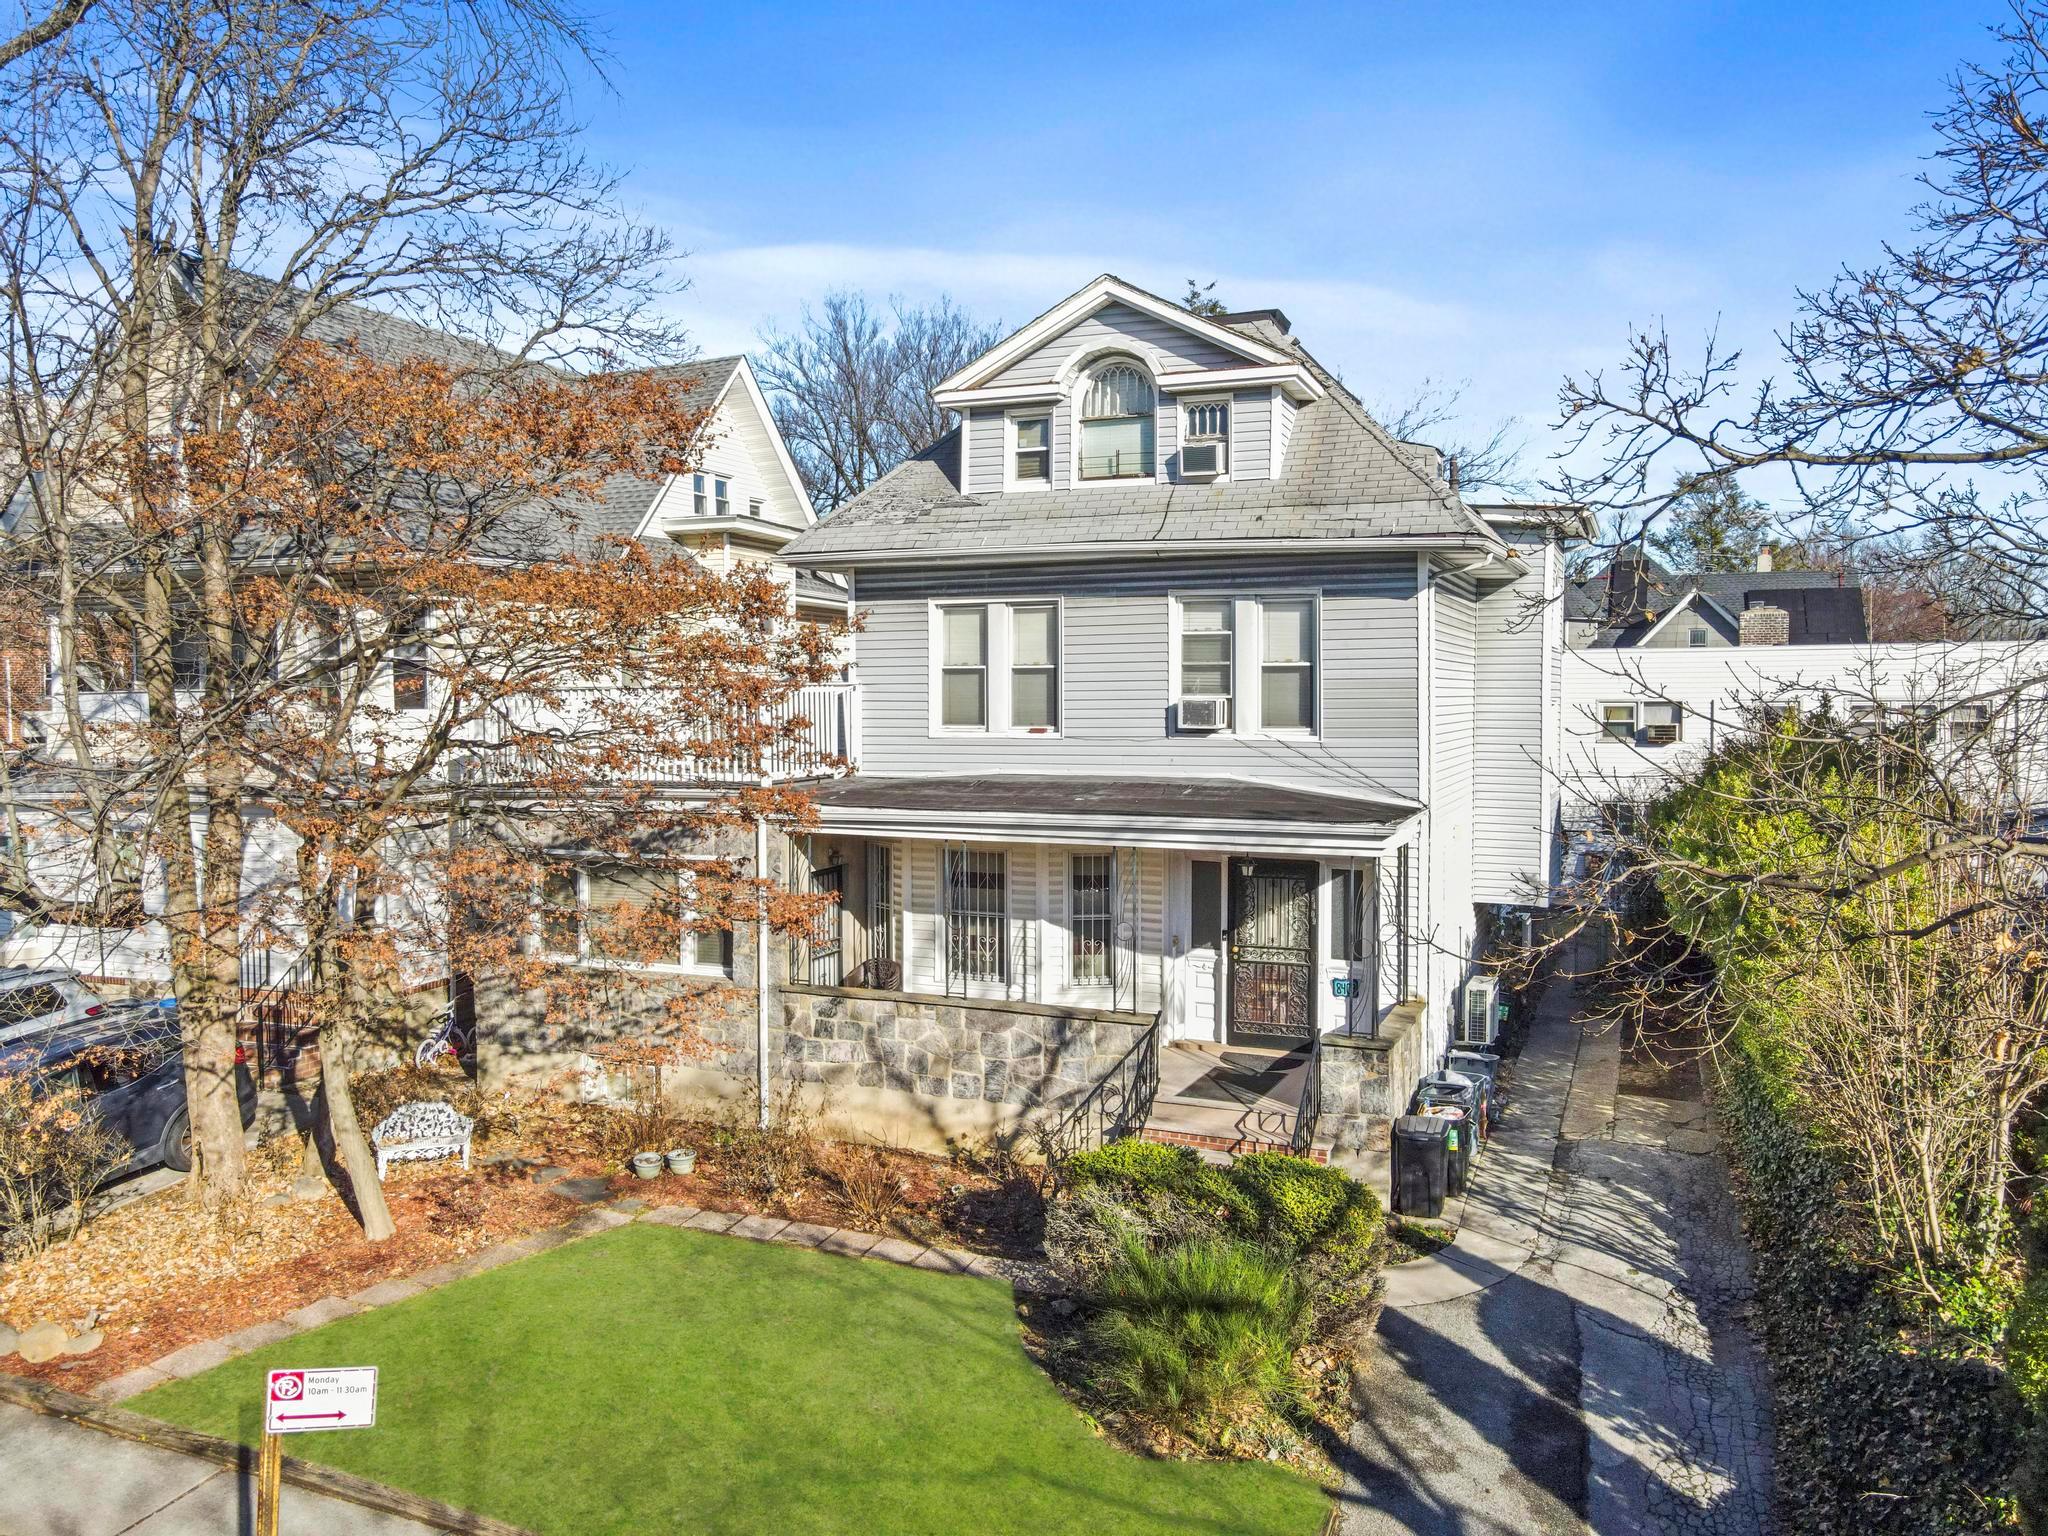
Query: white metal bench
(421, 1131)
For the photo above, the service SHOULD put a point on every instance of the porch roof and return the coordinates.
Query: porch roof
(1223, 814)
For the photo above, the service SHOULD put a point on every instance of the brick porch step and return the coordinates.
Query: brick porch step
(1227, 1146)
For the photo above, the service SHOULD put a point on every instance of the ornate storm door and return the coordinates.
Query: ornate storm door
(1272, 952)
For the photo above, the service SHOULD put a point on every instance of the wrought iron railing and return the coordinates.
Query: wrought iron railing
(1116, 1107)
(1310, 1109)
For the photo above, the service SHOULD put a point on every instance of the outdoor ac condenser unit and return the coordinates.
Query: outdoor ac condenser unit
(1201, 461)
(1204, 714)
(1481, 1008)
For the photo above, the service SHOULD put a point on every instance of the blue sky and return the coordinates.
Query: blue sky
(1491, 192)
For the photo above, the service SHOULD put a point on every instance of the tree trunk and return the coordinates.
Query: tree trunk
(351, 1148)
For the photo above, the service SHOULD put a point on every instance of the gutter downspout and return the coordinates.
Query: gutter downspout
(761, 1070)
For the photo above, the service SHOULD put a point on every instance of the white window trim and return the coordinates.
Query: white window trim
(1186, 403)
(1075, 985)
(1011, 417)
(700, 494)
(1247, 663)
(998, 667)
(1676, 724)
(581, 959)
(1635, 720)
(721, 495)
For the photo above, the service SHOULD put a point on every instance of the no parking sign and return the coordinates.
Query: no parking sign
(342, 1397)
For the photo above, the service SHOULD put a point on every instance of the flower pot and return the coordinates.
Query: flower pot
(682, 1160)
(647, 1164)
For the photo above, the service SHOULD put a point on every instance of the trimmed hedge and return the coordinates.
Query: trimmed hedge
(1136, 1169)
(1884, 1424)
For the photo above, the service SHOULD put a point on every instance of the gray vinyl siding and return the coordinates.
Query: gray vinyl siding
(1510, 787)
(1118, 325)
(1449, 919)
(985, 451)
(1116, 665)
(1252, 433)
(1283, 433)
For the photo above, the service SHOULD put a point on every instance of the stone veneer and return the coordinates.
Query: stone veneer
(1015, 1057)
(1367, 1080)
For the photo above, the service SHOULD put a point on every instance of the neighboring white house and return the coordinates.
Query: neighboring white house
(1638, 721)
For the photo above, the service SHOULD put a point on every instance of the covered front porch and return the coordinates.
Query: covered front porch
(1237, 924)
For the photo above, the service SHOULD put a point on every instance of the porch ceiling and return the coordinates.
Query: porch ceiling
(1225, 814)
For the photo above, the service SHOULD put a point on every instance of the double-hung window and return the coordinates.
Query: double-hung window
(996, 667)
(977, 924)
(609, 913)
(1031, 450)
(963, 668)
(754, 505)
(1207, 648)
(1287, 683)
(1090, 908)
(1034, 667)
(722, 497)
(700, 501)
(1618, 722)
(409, 673)
(1117, 424)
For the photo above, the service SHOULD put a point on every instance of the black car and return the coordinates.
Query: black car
(128, 1063)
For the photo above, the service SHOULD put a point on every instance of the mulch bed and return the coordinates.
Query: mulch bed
(160, 1274)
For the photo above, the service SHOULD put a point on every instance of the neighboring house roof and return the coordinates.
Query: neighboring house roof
(1343, 478)
(812, 587)
(1824, 608)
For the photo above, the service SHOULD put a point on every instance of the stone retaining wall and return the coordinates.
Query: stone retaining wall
(1367, 1081)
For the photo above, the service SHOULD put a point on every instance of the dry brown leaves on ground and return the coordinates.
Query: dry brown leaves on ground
(162, 1273)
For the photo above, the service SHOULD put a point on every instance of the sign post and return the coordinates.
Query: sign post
(295, 1402)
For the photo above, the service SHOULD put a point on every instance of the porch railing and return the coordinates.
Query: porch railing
(1116, 1107)
(1310, 1109)
(818, 749)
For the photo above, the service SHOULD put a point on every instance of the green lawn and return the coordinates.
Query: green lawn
(651, 1380)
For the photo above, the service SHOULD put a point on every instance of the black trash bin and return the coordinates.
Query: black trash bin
(1454, 1090)
(1459, 1144)
(1483, 1067)
(1421, 1165)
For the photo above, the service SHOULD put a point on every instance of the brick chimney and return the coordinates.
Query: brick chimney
(1766, 625)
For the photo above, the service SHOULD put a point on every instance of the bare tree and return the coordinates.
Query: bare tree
(851, 388)
(416, 155)
(1429, 415)
(47, 28)
(1912, 391)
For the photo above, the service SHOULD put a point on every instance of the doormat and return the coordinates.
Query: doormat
(1238, 1079)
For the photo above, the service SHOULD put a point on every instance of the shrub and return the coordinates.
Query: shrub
(1306, 1206)
(2026, 1344)
(1901, 1428)
(1199, 1332)
(1137, 1169)
(53, 1158)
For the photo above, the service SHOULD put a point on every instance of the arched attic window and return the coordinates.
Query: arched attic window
(1117, 424)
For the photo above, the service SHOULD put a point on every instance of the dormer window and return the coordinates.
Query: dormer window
(1205, 450)
(1117, 424)
(1031, 449)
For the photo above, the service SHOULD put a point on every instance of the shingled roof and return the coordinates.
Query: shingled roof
(1344, 478)
(1824, 607)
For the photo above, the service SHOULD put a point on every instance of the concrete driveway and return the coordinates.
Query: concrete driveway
(1597, 1377)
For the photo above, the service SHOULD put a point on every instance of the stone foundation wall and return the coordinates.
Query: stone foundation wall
(1367, 1082)
(930, 1068)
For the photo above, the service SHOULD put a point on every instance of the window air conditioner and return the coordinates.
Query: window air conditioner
(1201, 461)
(1207, 714)
(1476, 1020)
(1663, 723)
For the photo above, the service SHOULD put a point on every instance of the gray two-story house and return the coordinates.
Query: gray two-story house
(1190, 699)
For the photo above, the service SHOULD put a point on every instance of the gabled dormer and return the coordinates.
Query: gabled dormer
(1116, 386)
(744, 498)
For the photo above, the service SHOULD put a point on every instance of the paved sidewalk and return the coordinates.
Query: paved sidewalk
(63, 1479)
(1584, 1366)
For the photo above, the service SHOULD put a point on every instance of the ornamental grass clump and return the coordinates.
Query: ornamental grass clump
(1200, 1333)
